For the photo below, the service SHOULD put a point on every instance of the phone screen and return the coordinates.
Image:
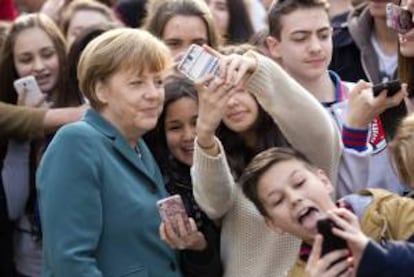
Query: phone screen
(197, 62)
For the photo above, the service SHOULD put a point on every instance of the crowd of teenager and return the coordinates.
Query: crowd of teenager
(286, 134)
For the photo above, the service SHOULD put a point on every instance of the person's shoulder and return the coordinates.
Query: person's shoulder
(75, 132)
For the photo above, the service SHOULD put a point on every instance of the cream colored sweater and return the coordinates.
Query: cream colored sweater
(248, 247)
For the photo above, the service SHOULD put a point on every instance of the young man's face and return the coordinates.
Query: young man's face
(295, 198)
(305, 45)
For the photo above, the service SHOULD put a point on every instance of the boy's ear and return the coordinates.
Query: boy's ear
(273, 227)
(325, 180)
(273, 44)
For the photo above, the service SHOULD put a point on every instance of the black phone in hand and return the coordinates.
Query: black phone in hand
(331, 242)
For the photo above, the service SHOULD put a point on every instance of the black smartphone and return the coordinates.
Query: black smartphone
(392, 88)
(330, 241)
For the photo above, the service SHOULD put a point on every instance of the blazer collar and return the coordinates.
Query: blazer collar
(143, 161)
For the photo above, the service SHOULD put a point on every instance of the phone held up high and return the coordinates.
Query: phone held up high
(197, 62)
(170, 207)
(28, 87)
(398, 19)
(331, 242)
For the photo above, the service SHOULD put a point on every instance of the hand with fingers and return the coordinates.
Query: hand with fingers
(235, 69)
(350, 230)
(334, 264)
(185, 236)
(212, 101)
(22, 100)
(214, 92)
(364, 107)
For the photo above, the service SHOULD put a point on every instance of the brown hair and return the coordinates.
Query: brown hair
(260, 164)
(402, 150)
(78, 5)
(285, 7)
(118, 50)
(160, 12)
(8, 71)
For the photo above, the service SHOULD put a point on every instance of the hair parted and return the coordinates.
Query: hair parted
(260, 164)
(284, 7)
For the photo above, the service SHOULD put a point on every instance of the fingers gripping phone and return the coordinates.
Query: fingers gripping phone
(398, 19)
(169, 208)
(331, 242)
(197, 62)
(392, 88)
(28, 90)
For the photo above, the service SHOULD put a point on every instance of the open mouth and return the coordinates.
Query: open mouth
(308, 217)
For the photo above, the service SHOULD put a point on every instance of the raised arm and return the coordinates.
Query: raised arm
(301, 118)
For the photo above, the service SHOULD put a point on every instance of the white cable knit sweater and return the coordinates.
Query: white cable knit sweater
(248, 247)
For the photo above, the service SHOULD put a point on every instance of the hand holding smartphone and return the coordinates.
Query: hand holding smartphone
(331, 242)
(392, 87)
(197, 62)
(398, 19)
(28, 91)
(169, 208)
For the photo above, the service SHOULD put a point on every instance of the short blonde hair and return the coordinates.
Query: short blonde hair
(122, 49)
(402, 150)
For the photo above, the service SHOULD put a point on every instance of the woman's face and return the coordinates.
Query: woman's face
(183, 30)
(241, 112)
(82, 20)
(131, 102)
(407, 40)
(220, 14)
(35, 54)
(180, 125)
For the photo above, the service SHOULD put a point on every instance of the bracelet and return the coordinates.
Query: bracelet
(207, 147)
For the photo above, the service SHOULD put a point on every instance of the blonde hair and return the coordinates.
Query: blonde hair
(122, 49)
(402, 150)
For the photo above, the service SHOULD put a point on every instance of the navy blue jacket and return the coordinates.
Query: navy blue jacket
(394, 259)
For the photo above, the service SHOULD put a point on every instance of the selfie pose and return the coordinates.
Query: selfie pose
(253, 105)
(293, 195)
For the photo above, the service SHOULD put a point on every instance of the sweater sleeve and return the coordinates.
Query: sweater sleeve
(21, 122)
(392, 259)
(301, 118)
(213, 184)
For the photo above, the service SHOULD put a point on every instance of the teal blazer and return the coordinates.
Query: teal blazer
(97, 200)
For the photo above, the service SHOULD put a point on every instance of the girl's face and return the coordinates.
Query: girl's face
(241, 112)
(220, 14)
(183, 30)
(82, 20)
(180, 125)
(35, 54)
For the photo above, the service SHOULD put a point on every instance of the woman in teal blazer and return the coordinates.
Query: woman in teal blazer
(97, 182)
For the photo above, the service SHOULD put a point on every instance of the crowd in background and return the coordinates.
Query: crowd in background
(287, 133)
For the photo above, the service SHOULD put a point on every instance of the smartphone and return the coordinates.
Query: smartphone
(392, 88)
(169, 207)
(28, 85)
(398, 19)
(197, 62)
(331, 242)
